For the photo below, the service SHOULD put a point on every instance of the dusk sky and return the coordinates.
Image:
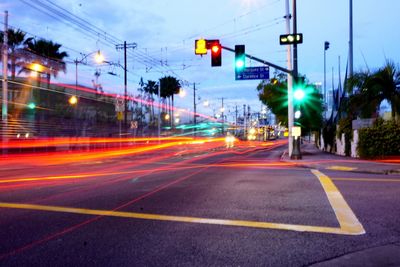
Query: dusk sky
(165, 32)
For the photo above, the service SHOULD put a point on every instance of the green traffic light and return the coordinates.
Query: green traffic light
(240, 57)
(299, 94)
(239, 64)
(32, 105)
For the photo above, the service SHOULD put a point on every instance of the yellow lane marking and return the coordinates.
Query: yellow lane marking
(254, 224)
(347, 219)
(349, 224)
(340, 168)
(368, 180)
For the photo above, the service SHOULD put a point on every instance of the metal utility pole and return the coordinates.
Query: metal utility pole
(296, 152)
(194, 109)
(236, 118)
(244, 122)
(222, 114)
(125, 46)
(4, 109)
(159, 111)
(351, 40)
(295, 61)
(290, 82)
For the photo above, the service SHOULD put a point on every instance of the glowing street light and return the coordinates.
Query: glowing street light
(182, 93)
(37, 67)
(73, 100)
(99, 58)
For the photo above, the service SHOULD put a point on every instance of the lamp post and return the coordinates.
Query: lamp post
(326, 47)
(98, 58)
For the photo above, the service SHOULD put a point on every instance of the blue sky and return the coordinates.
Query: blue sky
(165, 32)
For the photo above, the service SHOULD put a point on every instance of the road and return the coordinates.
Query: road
(196, 204)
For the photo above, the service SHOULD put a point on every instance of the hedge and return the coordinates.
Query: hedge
(380, 140)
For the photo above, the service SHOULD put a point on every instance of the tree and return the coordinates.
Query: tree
(47, 53)
(374, 87)
(387, 80)
(273, 94)
(16, 41)
(151, 88)
(169, 86)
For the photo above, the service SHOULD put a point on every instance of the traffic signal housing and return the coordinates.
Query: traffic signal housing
(287, 39)
(299, 96)
(240, 58)
(216, 54)
(326, 45)
(200, 47)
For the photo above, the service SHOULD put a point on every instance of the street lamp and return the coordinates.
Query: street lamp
(99, 58)
(326, 47)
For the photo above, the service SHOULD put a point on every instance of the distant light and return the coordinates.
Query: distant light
(297, 114)
(99, 58)
(37, 67)
(73, 100)
(31, 105)
(26, 135)
(182, 93)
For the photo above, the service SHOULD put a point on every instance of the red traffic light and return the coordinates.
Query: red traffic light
(216, 58)
(216, 48)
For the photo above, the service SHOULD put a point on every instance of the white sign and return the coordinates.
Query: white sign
(296, 131)
(119, 104)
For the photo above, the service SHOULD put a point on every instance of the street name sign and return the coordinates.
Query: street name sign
(253, 73)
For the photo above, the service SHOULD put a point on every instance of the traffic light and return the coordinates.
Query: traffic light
(326, 45)
(216, 54)
(240, 58)
(200, 47)
(287, 39)
(299, 96)
(31, 105)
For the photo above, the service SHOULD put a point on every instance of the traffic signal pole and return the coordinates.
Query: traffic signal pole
(296, 152)
(290, 83)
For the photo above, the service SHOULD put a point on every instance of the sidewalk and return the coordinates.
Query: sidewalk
(312, 157)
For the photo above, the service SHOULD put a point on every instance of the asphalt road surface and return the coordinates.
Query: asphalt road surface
(190, 205)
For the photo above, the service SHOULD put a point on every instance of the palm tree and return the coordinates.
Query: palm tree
(364, 102)
(373, 88)
(151, 88)
(169, 86)
(16, 40)
(48, 54)
(387, 81)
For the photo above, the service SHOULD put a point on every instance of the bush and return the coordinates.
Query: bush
(383, 139)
